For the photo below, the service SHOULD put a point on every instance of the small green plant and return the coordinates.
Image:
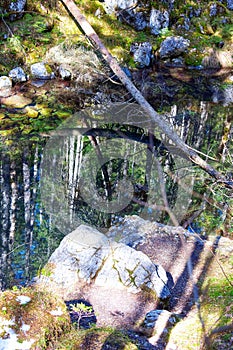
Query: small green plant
(81, 310)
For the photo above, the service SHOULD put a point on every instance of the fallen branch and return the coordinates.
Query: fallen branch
(157, 118)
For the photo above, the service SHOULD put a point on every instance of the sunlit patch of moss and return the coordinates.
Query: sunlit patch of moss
(216, 309)
(188, 333)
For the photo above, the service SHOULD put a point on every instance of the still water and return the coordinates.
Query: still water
(100, 164)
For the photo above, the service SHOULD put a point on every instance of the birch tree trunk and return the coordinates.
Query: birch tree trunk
(157, 118)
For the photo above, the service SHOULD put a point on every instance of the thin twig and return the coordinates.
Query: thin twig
(6, 25)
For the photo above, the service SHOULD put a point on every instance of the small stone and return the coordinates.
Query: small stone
(157, 324)
(17, 75)
(5, 83)
(158, 21)
(137, 20)
(31, 112)
(178, 62)
(23, 299)
(17, 6)
(142, 53)
(213, 9)
(64, 73)
(173, 46)
(112, 6)
(230, 4)
(41, 71)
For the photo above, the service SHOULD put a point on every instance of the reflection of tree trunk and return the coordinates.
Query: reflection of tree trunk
(5, 218)
(77, 164)
(13, 203)
(70, 171)
(104, 167)
(27, 211)
(73, 159)
(157, 118)
(198, 137)
(222, 149)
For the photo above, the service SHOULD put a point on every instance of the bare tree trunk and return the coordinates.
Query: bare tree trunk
(157, 118)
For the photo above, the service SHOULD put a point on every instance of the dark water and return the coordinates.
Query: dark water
(101, 164)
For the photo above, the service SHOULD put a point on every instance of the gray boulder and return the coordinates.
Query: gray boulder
(158, 21)
(17, 75)
(142, 53)
(87, 256)
(173, 46)
(41, 71)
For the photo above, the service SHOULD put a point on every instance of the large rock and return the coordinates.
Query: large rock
(173, 46)
(88, 256)
(158, 21)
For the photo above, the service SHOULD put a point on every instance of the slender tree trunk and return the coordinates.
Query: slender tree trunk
(222, 149)
(157, 118)
(5, 204)
(27, 210)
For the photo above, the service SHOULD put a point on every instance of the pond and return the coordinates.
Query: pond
(61, 166)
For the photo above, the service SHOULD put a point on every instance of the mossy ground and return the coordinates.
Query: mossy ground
(26, 40)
